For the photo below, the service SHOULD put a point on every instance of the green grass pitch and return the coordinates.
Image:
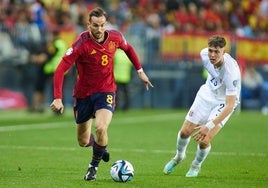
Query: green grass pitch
(40, 150)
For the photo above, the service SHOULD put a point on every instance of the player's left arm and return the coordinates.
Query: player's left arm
(135, 61)
(132, 55)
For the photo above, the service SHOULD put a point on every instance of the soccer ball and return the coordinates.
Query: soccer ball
(122, 171)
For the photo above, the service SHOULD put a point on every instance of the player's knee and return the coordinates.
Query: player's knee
(204, 143)
(82, 142)
(187, 129)
(185, 133)
(101, 130)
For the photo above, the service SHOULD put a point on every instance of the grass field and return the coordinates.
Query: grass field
(40, 150)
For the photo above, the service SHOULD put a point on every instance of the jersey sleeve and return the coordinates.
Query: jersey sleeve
(132, 55)
(232, 84)
(204, 56)
(232, 77)
(65, 64)
(130, 52)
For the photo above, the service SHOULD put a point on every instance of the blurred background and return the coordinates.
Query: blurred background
(167, 35)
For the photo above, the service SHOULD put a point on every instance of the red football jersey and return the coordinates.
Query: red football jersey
(94, 64)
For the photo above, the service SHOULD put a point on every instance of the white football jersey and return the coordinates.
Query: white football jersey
(222, 81)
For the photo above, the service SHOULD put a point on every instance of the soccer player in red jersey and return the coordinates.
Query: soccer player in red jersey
(93, 53)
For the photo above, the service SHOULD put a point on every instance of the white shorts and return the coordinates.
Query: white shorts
(203, 110)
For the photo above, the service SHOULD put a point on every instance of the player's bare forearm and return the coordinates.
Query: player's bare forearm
(227, 110)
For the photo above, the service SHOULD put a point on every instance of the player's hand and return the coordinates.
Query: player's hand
(201, 133)
(57, 106)
(145, 79)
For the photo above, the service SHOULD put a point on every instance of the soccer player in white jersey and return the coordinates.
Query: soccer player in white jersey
(214, 103)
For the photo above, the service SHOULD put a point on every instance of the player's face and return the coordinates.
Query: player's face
(215, 55)
(97, 27)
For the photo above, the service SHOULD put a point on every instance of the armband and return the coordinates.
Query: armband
(210, 125)
(140, 70)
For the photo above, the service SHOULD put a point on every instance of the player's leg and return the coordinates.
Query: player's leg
(203, 149)
(104, 106)
(102, 121)
(196, 115)
(83, 113)
(204, 146)
(84, 136)
(86, 139)
(183, 140)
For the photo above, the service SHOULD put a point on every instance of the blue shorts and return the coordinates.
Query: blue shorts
(84, 109)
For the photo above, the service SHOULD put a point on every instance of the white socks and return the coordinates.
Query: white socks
(182, 144)
(201, 155)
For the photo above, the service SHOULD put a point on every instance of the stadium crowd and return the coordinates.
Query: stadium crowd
(244, 17)
(28, 22)
(26, 25)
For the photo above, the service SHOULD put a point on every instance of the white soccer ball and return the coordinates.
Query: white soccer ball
(122, 171)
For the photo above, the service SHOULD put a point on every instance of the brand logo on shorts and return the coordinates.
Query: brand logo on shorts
(235, 83)
(191, 113)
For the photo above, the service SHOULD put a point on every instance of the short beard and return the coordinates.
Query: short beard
(95, 37)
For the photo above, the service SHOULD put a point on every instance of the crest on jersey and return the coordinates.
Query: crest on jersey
(111, 46)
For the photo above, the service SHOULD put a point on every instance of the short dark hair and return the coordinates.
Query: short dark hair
(97, 12)
(216, 41)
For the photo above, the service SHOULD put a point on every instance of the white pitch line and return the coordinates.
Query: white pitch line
(136, 119)
(45, 148)
(33, 126)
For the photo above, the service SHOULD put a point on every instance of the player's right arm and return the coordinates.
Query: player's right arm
(57, 106)
(58, 79)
